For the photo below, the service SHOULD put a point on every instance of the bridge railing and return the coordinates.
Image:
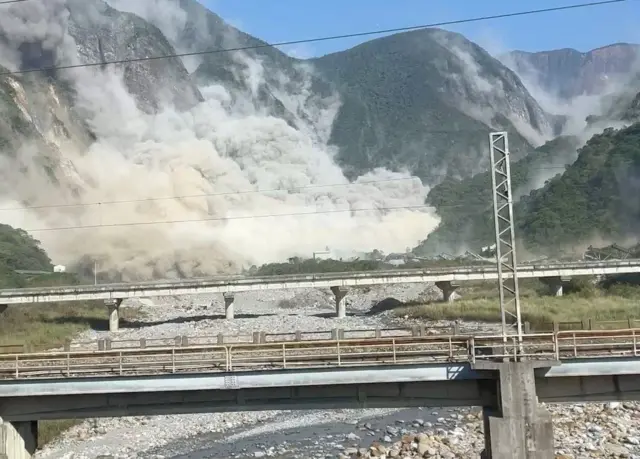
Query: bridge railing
(263, 337)
(334, 334)
(583, 343)
(583, 324)
(355, 352)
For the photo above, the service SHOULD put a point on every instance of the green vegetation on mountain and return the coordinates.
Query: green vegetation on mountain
(425, 101)
(466, 206)
(594, 198)
(19, 251)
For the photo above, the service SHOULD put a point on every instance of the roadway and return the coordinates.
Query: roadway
(232, 284)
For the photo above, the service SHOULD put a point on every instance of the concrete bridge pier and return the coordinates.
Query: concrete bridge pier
(555, 284)
(114, 313)
(229, 299)
(18, 440)
(518, 428)
(448, 288)
(341, 301)
(3, 308)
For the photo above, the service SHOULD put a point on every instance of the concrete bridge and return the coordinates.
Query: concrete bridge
(447, 279)
(329, 374)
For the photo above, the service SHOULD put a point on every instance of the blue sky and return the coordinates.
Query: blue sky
(283, 20)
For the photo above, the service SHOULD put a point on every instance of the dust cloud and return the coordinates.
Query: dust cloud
(213, 163)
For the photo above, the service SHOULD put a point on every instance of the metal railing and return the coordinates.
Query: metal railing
(261, 337)
(284, 355)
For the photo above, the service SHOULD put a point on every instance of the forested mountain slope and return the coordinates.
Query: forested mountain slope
(466, 206)
(593, 199)
(426, 100)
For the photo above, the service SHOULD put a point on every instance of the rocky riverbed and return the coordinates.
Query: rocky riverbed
(583, 431)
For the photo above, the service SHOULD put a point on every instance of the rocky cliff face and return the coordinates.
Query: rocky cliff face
(102, 33)
(568, 73)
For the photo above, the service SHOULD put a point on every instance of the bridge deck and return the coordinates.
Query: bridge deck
(287, 355)
(358, 373)
(231, 284)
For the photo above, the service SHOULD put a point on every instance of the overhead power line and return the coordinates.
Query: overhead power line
(228, 193)
(12, 1)
(478, 211)
(320, 39)
(243, 217)
(208, 195)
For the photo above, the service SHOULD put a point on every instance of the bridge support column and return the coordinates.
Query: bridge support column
(555, 284)
(340, 294)
(18, 440)
(448, 288)
(518, 428)
(229, 299)
(114, 314)
(3, 308)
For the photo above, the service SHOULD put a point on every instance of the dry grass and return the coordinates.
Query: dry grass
(50, 430)
(479, 302)
(45, 326)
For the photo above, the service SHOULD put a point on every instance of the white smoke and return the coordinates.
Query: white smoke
(575, 109)
(494, 93)
(35, 22)
(218, 154)
(171, 19)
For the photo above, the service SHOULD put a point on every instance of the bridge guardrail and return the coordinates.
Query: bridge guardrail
(106, 344)
(261, 337)
(583, 324)
(318, 354)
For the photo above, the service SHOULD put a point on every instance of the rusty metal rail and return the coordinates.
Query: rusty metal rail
(317, 354)
(260, 337)
(264, 337)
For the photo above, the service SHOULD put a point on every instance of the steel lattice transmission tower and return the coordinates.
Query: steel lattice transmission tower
(505, 235)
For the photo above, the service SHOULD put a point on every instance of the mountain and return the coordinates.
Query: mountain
(401, 96)
(555, 207)
(466, 207)
(568, 73)
(220, 128)
(426, 100)
(568, 208)
(19, 251)
(46, 112)
(104, 33)
(591, 200)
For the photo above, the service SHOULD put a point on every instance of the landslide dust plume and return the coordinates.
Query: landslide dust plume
(216, 157)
